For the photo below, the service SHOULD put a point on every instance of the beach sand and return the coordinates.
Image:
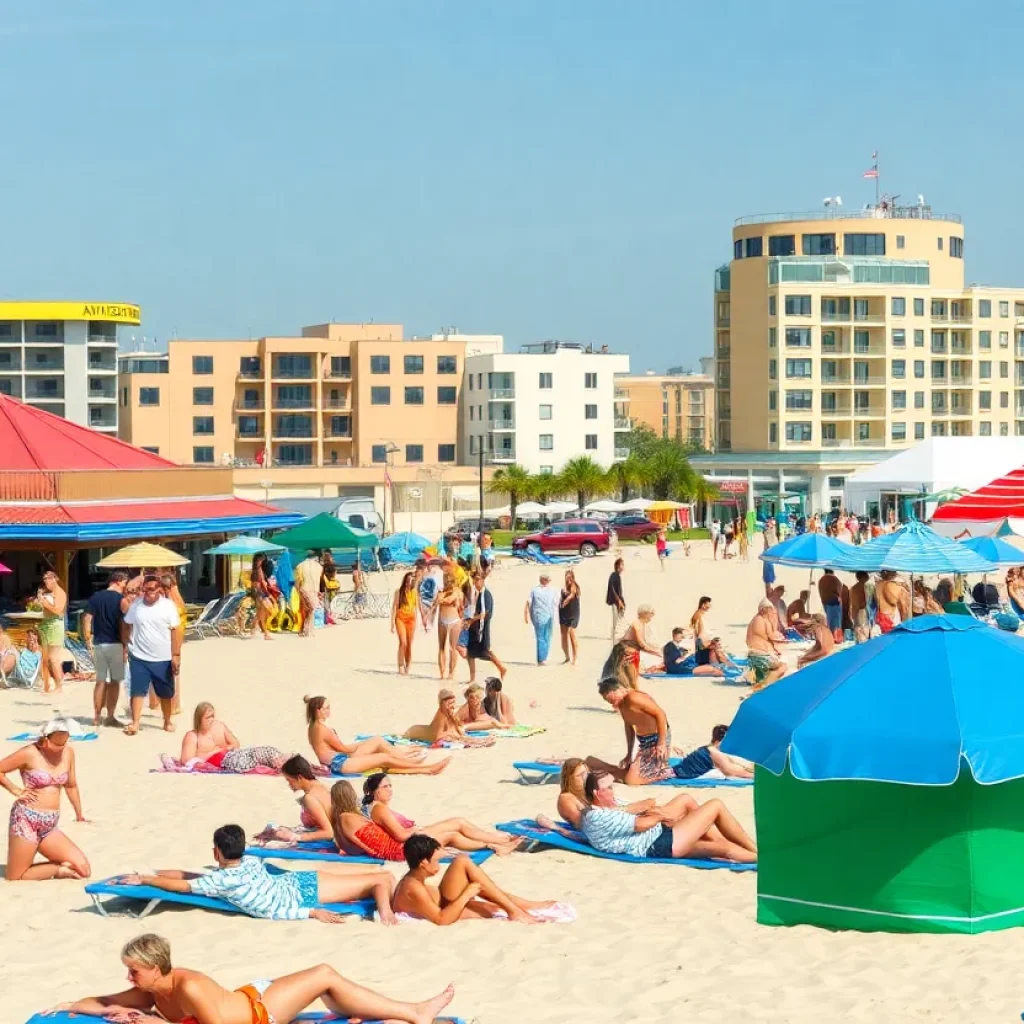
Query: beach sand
(652, 943)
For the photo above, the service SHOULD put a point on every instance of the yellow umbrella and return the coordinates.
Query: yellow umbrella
(664, 506)
(142, 556)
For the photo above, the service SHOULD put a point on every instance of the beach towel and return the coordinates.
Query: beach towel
(63, 1017)
(197, 766)
(325, 850)
(515, 732)
(557, 913)
(731, 677)
(152, 897)
(530, 829)
(404, 741)
(29, 737)
(546, 771)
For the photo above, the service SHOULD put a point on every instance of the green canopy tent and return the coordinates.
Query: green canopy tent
(326, 532)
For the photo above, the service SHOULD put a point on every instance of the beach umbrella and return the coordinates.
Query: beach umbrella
(914, 548)
(806, 551)
(243, 546)
(326, 532)
(405, 541)
(142, 556)
(992, 549)
(889, 787)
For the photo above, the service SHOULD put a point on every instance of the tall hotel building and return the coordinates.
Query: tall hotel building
(841, 337)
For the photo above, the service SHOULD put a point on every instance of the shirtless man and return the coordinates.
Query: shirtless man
(830, 590)
(465, 893)
(646, 723)
(162, 993)
(445, 725)
(824, 645)
(893, 601)
(762, 654)
(859, 608)
(798, 615)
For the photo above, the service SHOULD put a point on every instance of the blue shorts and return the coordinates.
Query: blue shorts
(338, 764)
(834, 615)
(309, 890)
(145, 673)
(662, 847)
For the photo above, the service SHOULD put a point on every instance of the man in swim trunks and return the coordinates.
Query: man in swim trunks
(181, 996)
(830, 590)
(859, 611)
(647, 724)
(824, 645)
(762, 654)
(893, 600)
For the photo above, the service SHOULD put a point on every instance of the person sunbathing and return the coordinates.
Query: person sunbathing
(572, 799)
(824, 644)
(798, 615)
(705, 832)
(211, 741)
(465, 892)
(497, 704)
(244, 882)
(709, 660)
(472, 715)
(445, 726)
(365, 756)
(161, 992)
(453, 833)
(762, 655)
(314, 804)
(709, 757)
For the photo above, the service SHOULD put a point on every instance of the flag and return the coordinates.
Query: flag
(387, 477)
(873, 173)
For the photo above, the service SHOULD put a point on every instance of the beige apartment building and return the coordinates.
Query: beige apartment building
(676, 404)
(843, 336)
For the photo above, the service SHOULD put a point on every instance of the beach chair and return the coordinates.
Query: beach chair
(17, 679)
(194, 629)
(225, 622)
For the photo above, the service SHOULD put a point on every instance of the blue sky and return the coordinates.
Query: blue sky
(553, 169)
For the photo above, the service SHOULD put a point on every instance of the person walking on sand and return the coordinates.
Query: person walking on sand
(178, 995)
(661, 548)
(541, 607)
(105, 632)
(403, 619)
(569, 616)
(615, 599)
(154, 651)
(479, 647)
(308, 574)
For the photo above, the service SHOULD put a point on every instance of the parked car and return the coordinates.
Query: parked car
(465, 528)
(634, 527)
(586, 536)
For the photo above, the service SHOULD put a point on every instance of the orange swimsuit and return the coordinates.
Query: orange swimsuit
(260, 1014)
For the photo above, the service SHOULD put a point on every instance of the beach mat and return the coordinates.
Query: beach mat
(152, 897)
(172, 766)
(325, 850)
(729, 679)
(549, 772)
(516, 732)
(63, 1017)
(29, 737)
(530, 829)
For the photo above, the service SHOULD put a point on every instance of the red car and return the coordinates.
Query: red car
(586, 536)
(634, 528)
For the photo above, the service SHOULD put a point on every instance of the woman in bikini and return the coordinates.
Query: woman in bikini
(473, 716)
(211, 741)
(47, 766)
(449, 624)
(261, 593)
(457, 833)
(369, 755)
(445, 726)
(497, 704)
(635, 642)
(403, 619)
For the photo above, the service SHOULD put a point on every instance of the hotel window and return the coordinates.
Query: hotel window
(835, 309)
(1004, 339)
(918, 307)
(590, 442)
(918, 431)
(1004, 429)
(828, 401)
(6, 330)
(861, 309)
(938, 369)
(380, 364)
(446, 453)
(447, 396)
(918, 399)
(380, 396)
(901, 241)
(1004, 308)
(861, 401)
(899, 339)
(899, 368)
(590, 381)
(899, 306)
(773, 401)
(414, 396)
(799, 431)
(1004, 399)
(151, 448)
(782, 245)
(249, 366)
(295, 454)
(546, 442)
(772, 369)
(818, 245)
(828, 431)
(918, 367)
(737, 249)
(413, 364)
(899, 431)
(379, 452)
(938, 242)
(341, 366)
(986, 427)
(773, 433)
(202, 424)
(470, 379)
(985, 400)
(864, 244)
(984, 339)
(798, 305)
(249, 426)
(590, 412)
(863, 431)
(798, 337)
(1004, 370)
(46, 331)
(202, 365)
(772, 337)
(798, 368)
(544, 412)
(414, 453)
(861, 341)
(202, 454)
(956, 247)
(544, 382)
(798, 401)
(984, 307)
(984, 369)
(918, 339)
(899, 400)
(449, 364)
(149, 396)
(293, 366)
(753, 247)
(771, 305)
(202, 396)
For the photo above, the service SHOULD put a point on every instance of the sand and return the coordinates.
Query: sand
(652, 943)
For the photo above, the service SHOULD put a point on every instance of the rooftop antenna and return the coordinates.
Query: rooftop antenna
(873, 173)
(838, 200)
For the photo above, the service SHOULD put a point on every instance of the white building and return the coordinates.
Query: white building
(62, 357)
(544, 405)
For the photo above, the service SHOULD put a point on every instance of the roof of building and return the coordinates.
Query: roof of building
(32, 438)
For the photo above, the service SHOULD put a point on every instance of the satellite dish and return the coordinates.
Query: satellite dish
(920, 200)
(827, 201)
(839, 200)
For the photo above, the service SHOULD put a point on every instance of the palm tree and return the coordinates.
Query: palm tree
(584, 477)
(625, 475)
(514, 481)
(544, 487)
(702, 493)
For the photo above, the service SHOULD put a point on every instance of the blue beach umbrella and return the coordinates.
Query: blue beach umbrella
(805, 551)
(405, 541)
(916, 549)
(243, 546)
(994, 550)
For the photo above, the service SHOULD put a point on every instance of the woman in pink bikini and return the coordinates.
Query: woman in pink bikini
(211, 741)
(47, 766)
(314, 806)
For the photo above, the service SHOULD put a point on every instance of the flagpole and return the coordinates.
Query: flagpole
(876, 179)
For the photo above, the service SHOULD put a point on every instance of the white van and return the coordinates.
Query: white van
(361, 514)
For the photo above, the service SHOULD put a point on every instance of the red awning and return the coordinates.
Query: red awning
(1000, 499)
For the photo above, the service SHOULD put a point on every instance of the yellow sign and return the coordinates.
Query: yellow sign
(117, 312)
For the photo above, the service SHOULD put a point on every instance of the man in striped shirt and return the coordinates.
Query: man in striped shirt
(246, 883)
(681, 828)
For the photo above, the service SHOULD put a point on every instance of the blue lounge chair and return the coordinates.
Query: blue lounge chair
(536, 773)
(325, 850)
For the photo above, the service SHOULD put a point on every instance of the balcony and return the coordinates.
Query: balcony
(841, 349)
(39, 395)
(876, 350)
(964, 380)
(50, 366)
(869, 412)
(723, 352)
(625, 423)
(502, 394)
(101, 367)
(621, 394)
(249, 404)
(876, 319)
(295, 403)
(10, 339)
(337, 374)
(723, 321)
(949, 318)
(339, 434)
(502, 424)
(868, 382)
(284, 373)
(103, 340)
(103, 394)
(500, 457)
(337, 403)
(247, 434)
(621, 453)
(839, 409)
(295, 434)
(250, 373)
(836, 318)
(836, 380)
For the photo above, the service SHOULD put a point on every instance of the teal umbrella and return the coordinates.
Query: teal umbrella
(243, 546)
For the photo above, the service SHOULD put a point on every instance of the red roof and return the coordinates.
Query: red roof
(1000, 499)
(31, 438)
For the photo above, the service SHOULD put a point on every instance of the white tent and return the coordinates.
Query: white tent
(640, 504)
(936, 464)
(605, 505)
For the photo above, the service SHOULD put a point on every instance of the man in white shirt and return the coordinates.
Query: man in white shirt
(308, 574)
(154, 651)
